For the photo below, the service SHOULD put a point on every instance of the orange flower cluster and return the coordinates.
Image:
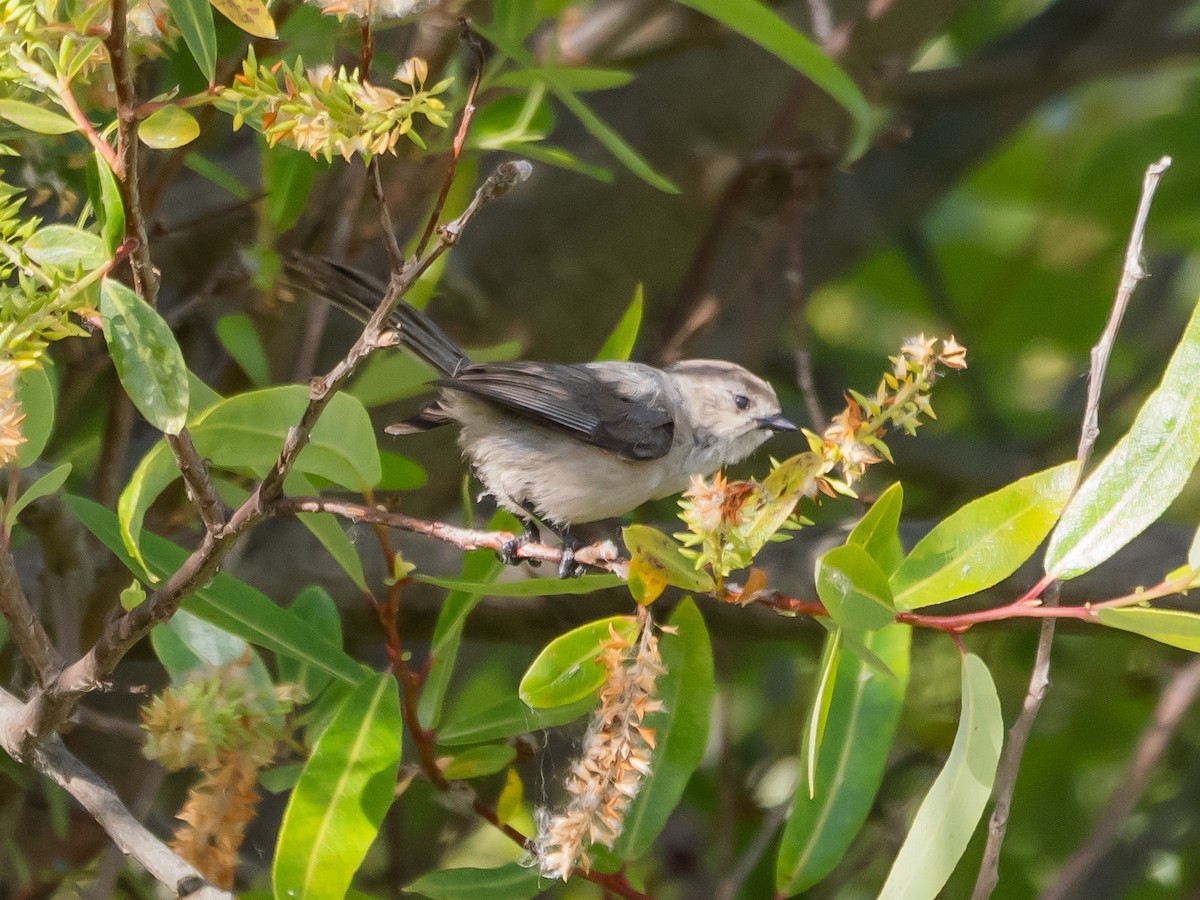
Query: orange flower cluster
(616, 757)
(218, 809)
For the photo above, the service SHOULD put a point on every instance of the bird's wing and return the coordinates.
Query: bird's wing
(603, 405)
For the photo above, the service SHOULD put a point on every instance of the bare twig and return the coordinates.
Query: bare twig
(1039, 679)
(48, 708)
(26, 629)
(94, 795)
(602, 556)
(1174, 702)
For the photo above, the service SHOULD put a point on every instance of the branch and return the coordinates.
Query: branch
(1174, 702)
(48, 708)
(602, 555)
(1039, 678)
(24, 626)
(53, 760)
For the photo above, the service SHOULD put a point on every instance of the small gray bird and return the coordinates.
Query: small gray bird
(566, 444)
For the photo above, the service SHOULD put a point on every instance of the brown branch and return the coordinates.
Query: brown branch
(603, 556)
(50, 707)
(1039, 678)
(26, 629)
(102, 803)
(1174, 702)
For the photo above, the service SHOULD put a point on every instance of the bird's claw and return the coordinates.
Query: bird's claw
(508, 550)
(567, 567)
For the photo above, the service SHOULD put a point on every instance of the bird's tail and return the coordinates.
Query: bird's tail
(358, 294)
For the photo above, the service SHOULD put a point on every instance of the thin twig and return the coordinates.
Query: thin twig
(1039, 678)
(26, 629)
(1173, 703)
(56, 762)
(602, 556)
(48, 708)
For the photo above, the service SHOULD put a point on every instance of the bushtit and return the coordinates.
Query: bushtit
(570, 443)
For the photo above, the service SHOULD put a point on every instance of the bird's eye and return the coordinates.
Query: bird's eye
(741, 401)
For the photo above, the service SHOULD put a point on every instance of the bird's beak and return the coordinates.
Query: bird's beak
(776, 423)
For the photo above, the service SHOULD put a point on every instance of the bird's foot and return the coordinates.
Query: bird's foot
(508, 550)
(567, 567)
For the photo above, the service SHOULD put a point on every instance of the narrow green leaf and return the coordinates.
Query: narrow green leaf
(327, 529)
(42, 487)
(854, 589)
(508, 882)
(508, 718)
(106, 199)
(38, 395)
(529, 587)
(1145, 471)
(288, 176)
(147, 358)
(1175, 627)
(313, 605)
(67, 248)
(619, 343)
(878, 531)
(168, 128)
(681, 728)
(818, 716)
(195, 21)
(577, 79)
(985, 541)
(240, 338)
(568, 668)
(244, 433)
(477, 762)
(513, 121)
(399, 473)
(219, 176)
(342, 795)
(176, 657)
(862, 720)
(252, 16)
(226, 602)
(774, 34)
(480, 566)
(37, 119)
(613, 142)
(951, 810)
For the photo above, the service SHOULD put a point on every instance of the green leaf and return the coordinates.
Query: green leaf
(343, 793)
(508, 882)
(33, 118)
(619, 343)
(246, 432)
(168, 128)
(983, 542)
(42, 487)
(859, 728)
(187, 642)
(1167, 626)
(226, 602)
(287, 180)
(399, 473)
(195, 21)
(67, 248)
(818, 716)
(38, 397)
(854, 589)
(653, 552)
(529, 587)
(478, 566)
(681, 728)
(774, 34)
(327, 529)
(577, 79)
(476, 762)
(568, 668)
(217, 175)
(878, 531)
(252, 16)
(240, 338)
(313, 605)
(1145, 471)
(106, 199)
(147, 358)
(512, 121)
(951, 810)
(508, 718)
(175, 655)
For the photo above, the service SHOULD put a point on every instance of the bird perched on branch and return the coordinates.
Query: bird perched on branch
(565, 444)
